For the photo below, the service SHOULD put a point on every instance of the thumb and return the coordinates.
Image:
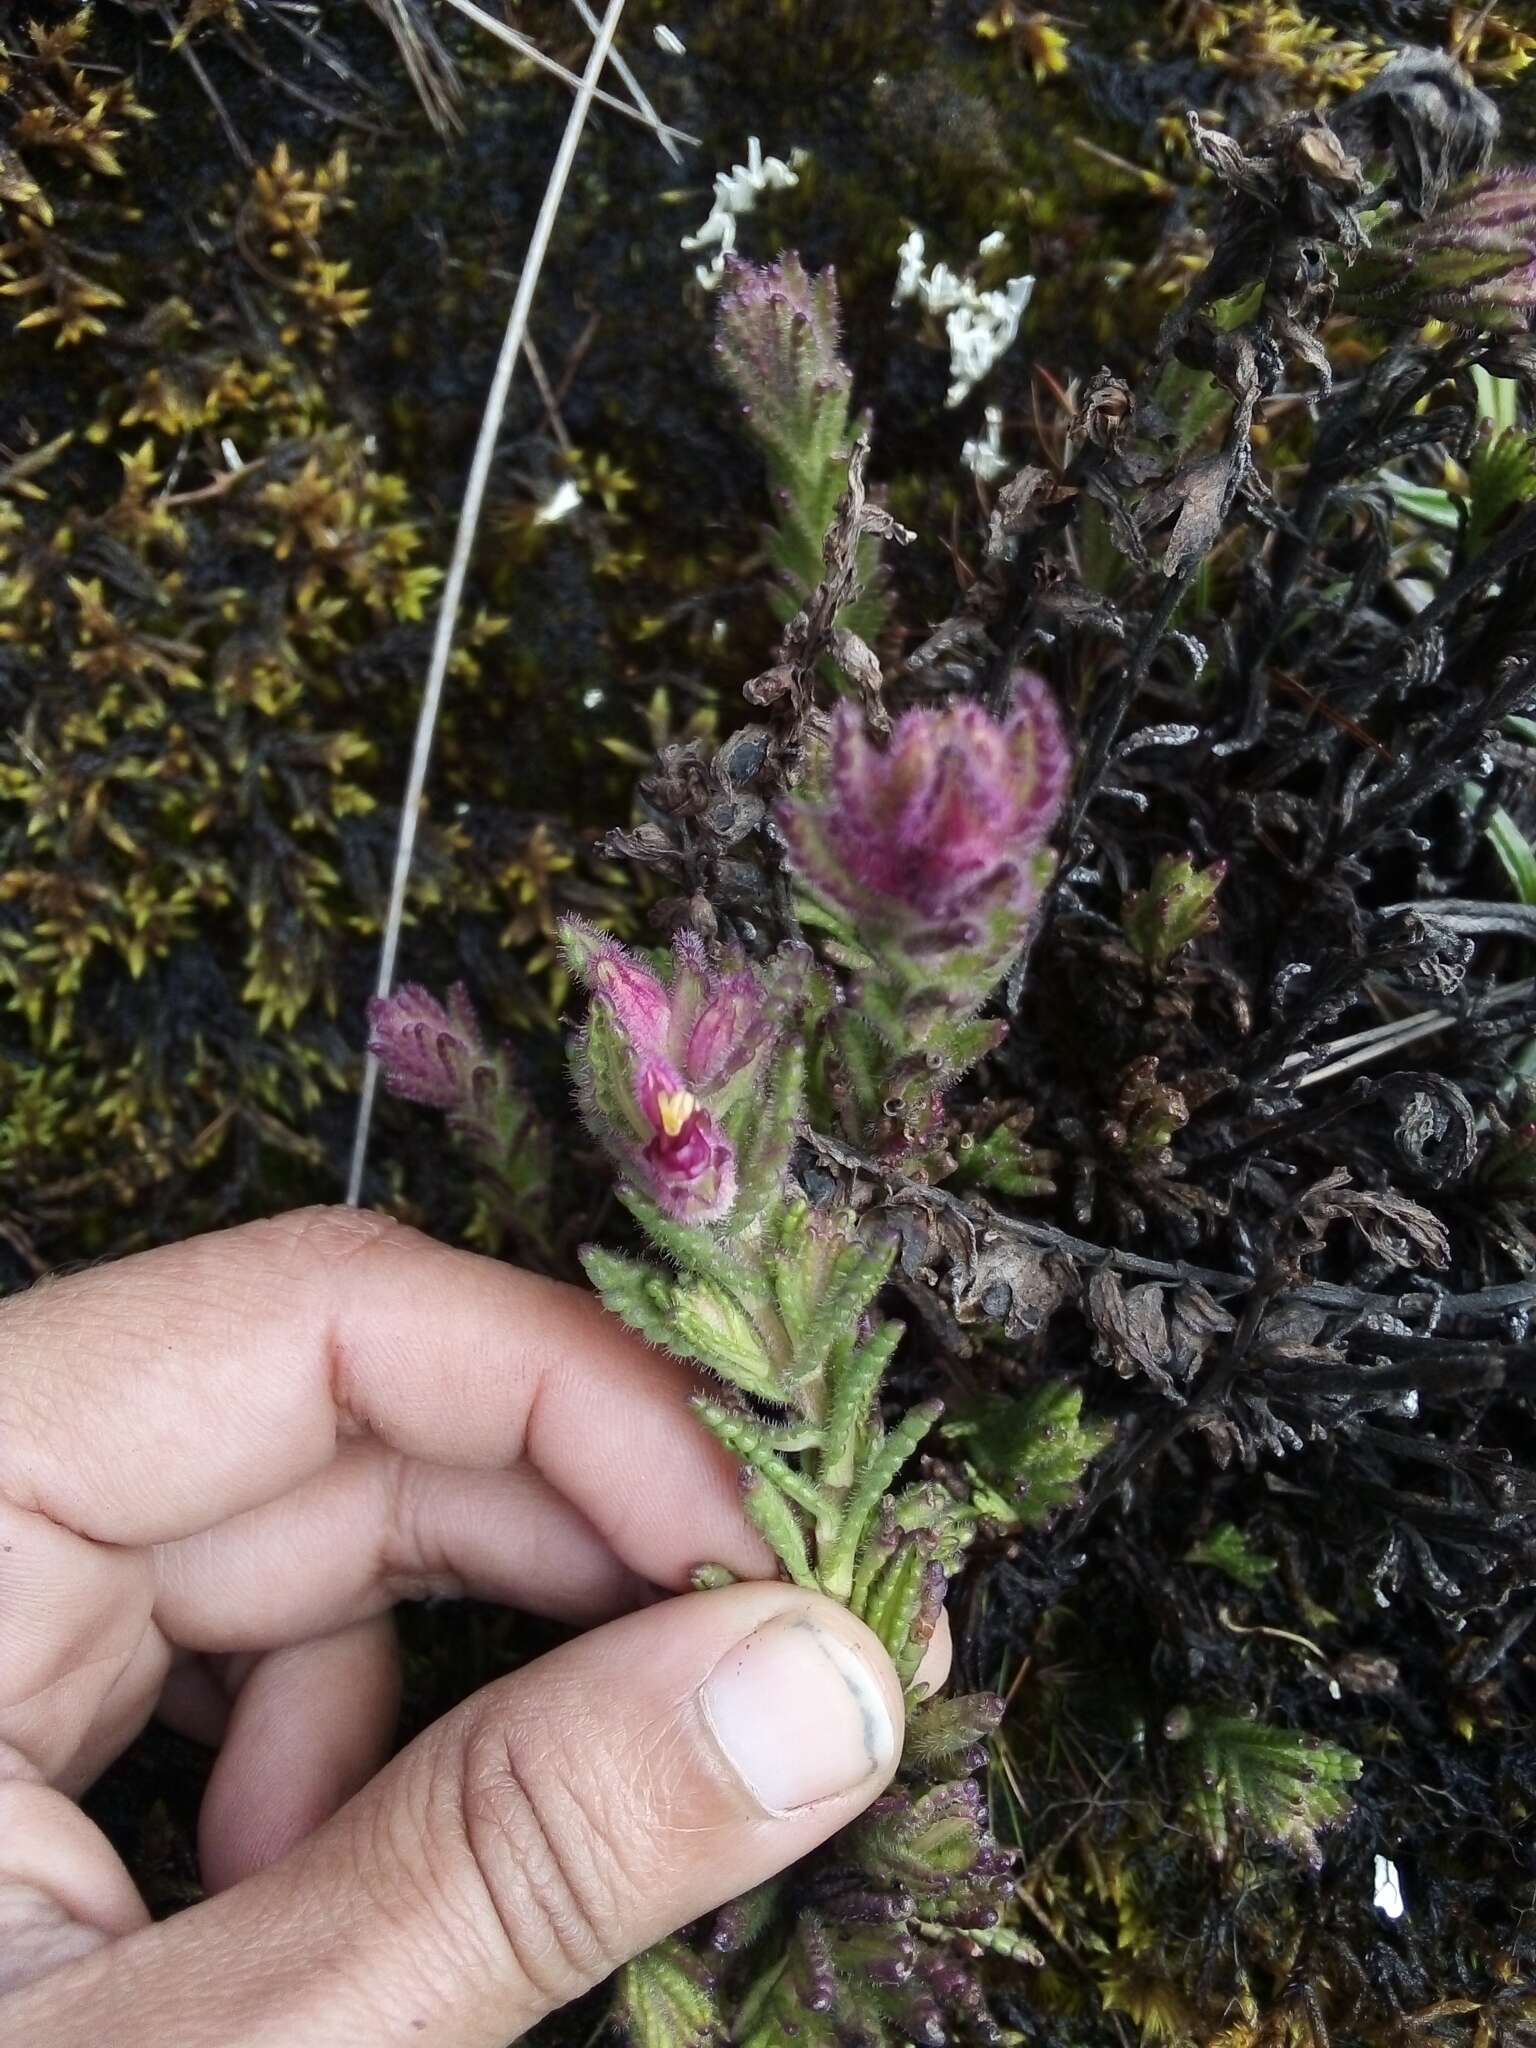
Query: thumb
(524, 1846)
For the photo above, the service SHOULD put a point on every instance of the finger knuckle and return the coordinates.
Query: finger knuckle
(413, 1562)
(328, 1235)
(536, 1827)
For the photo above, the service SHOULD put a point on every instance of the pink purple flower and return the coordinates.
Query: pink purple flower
(690, 1162)
(662, 1064)
(936, 836)
(436, 1053)
(427, 1052)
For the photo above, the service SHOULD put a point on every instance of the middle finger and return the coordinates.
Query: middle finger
(375, 1527)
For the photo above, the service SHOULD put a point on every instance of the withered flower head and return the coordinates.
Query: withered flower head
(1425, 110)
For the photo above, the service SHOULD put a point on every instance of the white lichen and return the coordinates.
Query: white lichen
(981, 326)
(736, 193)
(1387, 1889)
(983, 454)
(560, 504)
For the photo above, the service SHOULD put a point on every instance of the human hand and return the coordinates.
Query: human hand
(245, 1449)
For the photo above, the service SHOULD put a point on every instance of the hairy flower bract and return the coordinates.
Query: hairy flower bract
(662, 1065)
(1472, 263)
(941, 831)
(426, 1050)
(778, 343)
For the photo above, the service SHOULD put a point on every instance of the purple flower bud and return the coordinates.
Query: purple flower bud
(706, 1024)
(436, 1054)
(1473, 263)
(725, 1032)
(937, 836)
(640, 1005)
(779, 332)
(426, 1052)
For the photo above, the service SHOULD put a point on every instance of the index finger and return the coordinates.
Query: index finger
(147, 1400)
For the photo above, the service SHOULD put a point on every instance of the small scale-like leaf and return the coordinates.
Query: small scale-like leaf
(1006, 1942)
(884, 1460)
(1228, 1550)
(711, 1325)
(767, 1138)
(855, 1277)
(664, 1999)
(945, 1736)
(855, 1384)
(776, 2012)
(633, 1291)
(1029, 1452)
(693, 1249)
(1177, 905)
(1005, 1161)
(1281, 1786)
(1502, 475)
(753, 1445)
(891, 1605)
(780, 1527)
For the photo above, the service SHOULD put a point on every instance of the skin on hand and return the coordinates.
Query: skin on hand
(221, 1464)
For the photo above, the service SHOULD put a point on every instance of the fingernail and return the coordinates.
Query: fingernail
(799, 1713)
